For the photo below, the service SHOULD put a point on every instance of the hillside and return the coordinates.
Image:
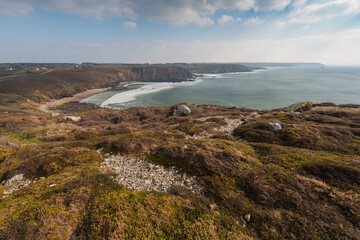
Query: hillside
(175, 172)
(65, 82)
(248, 174)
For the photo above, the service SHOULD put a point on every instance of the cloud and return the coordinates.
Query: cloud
(268, 5)
(226, 19)
(129, 24)
(171, 11)
(326, 11)
(299, 3)
(253, 21)
(280, 24)
(337, 48)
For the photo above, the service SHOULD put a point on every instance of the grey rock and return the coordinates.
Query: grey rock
(16, 182)
(275, 126)
(299, 107)
(72, 118)
(247, 217)
(182, 110)
(14, 179)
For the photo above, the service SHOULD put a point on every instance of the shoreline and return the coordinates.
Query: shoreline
(46, 107)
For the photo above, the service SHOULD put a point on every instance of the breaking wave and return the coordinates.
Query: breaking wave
(146, 88)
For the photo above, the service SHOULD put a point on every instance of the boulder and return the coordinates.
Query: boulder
(72, 118)
(14, 179)
(182, 110)
(275, 126)
(299, 107)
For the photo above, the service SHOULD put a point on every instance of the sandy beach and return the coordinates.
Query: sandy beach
(46, 107)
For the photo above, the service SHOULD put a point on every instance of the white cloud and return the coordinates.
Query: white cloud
(337, 48)
(280, 24)
(325, 11)
(171, 11)
(269, 5)
(253, 21)
(129, 24)
(299, 3)
(226, 19)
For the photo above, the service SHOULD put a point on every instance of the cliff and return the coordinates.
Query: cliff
(215, 68)
(65, 82)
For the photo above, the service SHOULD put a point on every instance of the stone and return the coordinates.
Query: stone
(14, 179)
(299, 107)
(72, 118)
(254, 114)
(138, 174)
(16, 182)
(247, 217)
(182, 110)
(213, 207)
(275, 126)
(54, 114)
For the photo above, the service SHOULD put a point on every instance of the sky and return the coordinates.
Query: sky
(163, 31)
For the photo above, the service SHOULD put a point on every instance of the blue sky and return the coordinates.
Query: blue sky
(139, 31)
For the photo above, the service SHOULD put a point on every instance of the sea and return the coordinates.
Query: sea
(265, 89)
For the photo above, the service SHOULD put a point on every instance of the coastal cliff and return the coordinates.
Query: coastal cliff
(66, 82)
(215, 68)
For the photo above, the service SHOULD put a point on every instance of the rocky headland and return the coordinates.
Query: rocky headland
(178, 172)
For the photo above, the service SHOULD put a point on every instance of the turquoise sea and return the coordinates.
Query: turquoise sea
(264, 89)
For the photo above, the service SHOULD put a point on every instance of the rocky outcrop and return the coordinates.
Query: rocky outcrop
(299, 107)
(16, 182)
(72, 118)
(182, 110)
(215, 68)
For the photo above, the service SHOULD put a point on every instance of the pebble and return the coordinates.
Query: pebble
(138, 174)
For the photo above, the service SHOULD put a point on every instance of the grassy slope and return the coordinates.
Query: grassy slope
(298, 183)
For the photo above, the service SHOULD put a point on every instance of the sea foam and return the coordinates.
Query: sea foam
(147, 88)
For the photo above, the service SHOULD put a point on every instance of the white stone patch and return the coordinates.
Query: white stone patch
(16, 182)
(231, 125)
(138, 174)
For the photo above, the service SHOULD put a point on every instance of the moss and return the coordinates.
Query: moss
(43, 212)
(193, 128)
(56, 160)
(140, 215)
(21, 138)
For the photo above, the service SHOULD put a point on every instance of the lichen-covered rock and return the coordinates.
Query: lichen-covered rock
(16, 182)
(275, 126)
(299, 107)
(72, 118)
(182, 110)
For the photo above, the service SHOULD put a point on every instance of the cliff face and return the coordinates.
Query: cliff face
(216, 68)
(65, 82)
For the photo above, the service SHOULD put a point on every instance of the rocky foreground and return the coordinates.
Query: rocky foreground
(181, 172)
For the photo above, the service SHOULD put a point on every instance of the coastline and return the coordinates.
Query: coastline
(46, 107)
